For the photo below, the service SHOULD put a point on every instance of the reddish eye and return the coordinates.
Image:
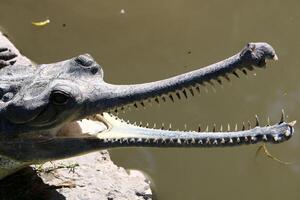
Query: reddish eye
(59, 98)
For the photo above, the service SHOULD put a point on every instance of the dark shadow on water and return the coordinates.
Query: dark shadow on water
(27, 185)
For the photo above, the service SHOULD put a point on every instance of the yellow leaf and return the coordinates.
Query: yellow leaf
(41, 23)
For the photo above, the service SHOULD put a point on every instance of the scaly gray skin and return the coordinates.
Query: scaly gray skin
(38, 102)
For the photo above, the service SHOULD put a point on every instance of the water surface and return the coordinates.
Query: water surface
(139, 41)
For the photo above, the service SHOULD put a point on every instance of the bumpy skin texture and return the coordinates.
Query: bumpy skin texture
(37, 102)
(6, 57)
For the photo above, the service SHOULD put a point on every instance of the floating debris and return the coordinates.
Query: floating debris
(122, 11)
(41, 23)
(269, 155)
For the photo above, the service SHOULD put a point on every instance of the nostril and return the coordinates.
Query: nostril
(8, 96)
(94, 70)
(84, 60)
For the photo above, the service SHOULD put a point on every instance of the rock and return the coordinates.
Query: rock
(91, 176)
(94, 176)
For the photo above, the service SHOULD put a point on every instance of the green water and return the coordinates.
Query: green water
(140, 41)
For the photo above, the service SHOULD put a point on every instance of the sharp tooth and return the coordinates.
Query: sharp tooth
(226, 77)
(219, 81)
(207, 141)
(193, 141)
(198, 89)
(265, 138)
(171, 97)
(162, 126)
(246, 139)
(156, 100)
(178, 141)
(268, 121)
(228, 127)
(199, 128)
(256, 121)
(282, 117)
(200, 142)
(192, 91)
(163, 98)
(142, 103)
(147, 125)
(154, 125)
(206, 130)
(141, 123)
(170, 127)
(185, 127)
(215, 142)
(287, 133)
(230, 140)
(214, 128)
(221, 128)
(249, 124)
(292, 123)
(236, 127)
(253, 138)
(222, 141)
(244, 71)
(276, 138)
(243, 128)
(178, 95)
(135, 105)
(238, 140)
(184, 92)
(234, 72)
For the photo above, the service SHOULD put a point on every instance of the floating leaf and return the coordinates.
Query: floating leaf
(41, 23)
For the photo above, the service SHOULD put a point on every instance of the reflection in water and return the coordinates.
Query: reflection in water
(154, 40)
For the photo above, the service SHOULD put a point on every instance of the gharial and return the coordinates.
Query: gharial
(38, 105)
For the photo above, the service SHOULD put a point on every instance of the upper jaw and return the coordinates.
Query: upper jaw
(109, 97)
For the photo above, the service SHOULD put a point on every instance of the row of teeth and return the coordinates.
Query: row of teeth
(214, 129)
(179, 93)
(204, 142)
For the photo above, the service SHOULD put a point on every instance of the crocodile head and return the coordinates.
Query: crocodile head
(59, 94)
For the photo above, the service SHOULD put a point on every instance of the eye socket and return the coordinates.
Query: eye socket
(59, 98)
